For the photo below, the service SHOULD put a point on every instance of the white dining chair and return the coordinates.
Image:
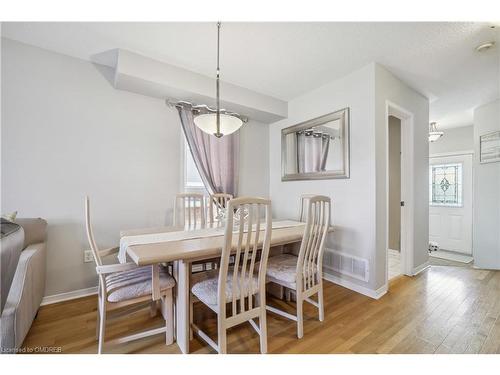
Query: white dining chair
(216, 203)
(242, 286)
(303, 273)
(129, 286)
(189, 211)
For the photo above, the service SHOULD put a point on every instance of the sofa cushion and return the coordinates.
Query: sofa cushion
(7, 227)
(11, 216)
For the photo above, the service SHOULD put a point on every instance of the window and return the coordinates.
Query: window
(192, 179)
(445, 184)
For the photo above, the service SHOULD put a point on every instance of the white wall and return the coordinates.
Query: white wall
(67, 132)
(359, 203)
(454, 140)
(388, 88)
(353, 199)
(254, 160)
(486, 236)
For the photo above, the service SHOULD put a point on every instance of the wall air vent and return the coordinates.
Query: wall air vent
(346, 264)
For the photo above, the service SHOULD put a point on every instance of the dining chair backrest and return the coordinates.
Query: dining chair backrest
(242, 240)
(304, 205)
(310, 262)
(93, 246)
(217, 202)
(189, 211)
(90, 234)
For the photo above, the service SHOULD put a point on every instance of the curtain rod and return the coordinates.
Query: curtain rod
(202, 108)
(315, 133)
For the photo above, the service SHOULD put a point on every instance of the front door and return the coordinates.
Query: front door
(450, 196)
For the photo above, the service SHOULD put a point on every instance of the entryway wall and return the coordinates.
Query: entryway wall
(486, 239)
(454, 140)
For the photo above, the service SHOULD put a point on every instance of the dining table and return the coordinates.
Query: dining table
(182, 248)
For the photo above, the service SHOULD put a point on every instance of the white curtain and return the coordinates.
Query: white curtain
(312, 152)
(217, 159)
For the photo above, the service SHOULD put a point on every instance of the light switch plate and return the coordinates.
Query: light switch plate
(87, 256)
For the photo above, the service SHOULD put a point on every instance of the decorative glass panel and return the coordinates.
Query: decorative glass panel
(445, 184)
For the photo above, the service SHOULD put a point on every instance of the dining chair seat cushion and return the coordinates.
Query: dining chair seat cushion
(282, 268)
(126, 285)
(205, 287)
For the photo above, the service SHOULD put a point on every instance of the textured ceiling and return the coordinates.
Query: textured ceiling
(285, 60)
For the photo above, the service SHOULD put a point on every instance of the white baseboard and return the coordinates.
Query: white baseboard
(47, 300)
(420, 268)
(375, 294)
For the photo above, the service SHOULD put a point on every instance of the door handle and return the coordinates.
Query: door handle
(402, 203)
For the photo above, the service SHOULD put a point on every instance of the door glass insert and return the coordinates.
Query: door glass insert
(445, 184)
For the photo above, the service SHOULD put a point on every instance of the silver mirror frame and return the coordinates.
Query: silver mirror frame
(344, 116)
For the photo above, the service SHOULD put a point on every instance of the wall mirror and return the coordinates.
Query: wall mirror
(317, 148)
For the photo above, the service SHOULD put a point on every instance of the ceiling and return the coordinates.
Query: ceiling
(285, 60)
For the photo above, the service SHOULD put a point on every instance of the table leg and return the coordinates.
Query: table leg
(155, 282)
(181, 273)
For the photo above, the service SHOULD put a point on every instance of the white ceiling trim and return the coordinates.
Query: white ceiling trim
(146, 76)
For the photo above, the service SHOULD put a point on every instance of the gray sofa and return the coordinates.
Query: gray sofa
(23, 268)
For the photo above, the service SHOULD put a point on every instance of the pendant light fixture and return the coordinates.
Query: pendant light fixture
(434, 134)
(219, 122)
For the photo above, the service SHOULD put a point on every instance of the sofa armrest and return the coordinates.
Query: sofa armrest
(24, 297)
(35, 230)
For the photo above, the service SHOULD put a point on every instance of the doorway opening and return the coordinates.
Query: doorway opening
(399, 191)
(394, 171)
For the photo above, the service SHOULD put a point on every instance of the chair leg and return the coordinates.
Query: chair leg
(97, 324)
(102, 325)
(167, 307)
(191, 313)
(153, 308)
(300, 316)
(222, 337)
(321, 306)
(263, 329)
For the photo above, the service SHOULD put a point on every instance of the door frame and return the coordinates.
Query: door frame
(452, 153)
(407, 192)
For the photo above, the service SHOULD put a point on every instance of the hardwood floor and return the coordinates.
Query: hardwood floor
(393, 263)
(443, 310)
